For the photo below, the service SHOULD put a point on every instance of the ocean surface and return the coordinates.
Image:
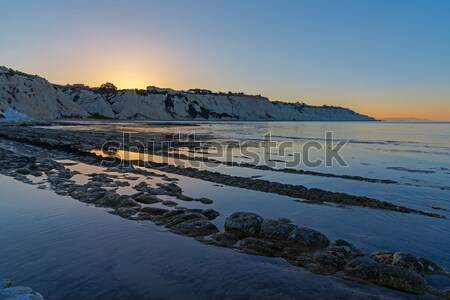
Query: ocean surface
(50, 242)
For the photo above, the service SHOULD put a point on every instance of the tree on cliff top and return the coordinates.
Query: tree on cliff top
(108, 91)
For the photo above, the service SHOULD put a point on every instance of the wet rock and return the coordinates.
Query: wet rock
(23, 171)
(431, 268)
(109, 200)
(195, 227)
(146, 198)
(126, 212)
(127, 201)
(205, 200)
(153, 211)
(253, 245)
(210, 213)
(36, 173)
(184, 197)
(409, 261)
(383, 257)
(244, 223)
(184, 217)
(169, 203)
(173, 213)
(225, 239)
(131, 178)
(389, 276)
(122, 183)
(344, 249)
(101, 178)
(327, 264)
(308, 238)
(141, 187)
(172, 188)
(276, 229)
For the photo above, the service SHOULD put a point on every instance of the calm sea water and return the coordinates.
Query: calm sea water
(68, 250)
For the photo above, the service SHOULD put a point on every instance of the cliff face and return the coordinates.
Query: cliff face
(37, 98)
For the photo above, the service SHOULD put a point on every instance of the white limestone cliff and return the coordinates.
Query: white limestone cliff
(37, 98)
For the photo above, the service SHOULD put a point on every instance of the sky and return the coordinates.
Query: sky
(383, 58)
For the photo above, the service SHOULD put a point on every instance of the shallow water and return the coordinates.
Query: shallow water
(68, 250)
(112, 257)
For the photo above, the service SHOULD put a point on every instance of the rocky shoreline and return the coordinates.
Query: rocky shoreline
(245, 232)
(80, 142)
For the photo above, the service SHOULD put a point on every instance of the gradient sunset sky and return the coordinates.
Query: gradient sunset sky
(382, 58)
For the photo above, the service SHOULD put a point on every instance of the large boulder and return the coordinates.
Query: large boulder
(146, 198)
(253, 245)
(308, 238)
(195, 227)
(276, 229)
(244, 223)
(389, 276)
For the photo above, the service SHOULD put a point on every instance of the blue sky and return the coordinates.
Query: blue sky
(383, 58)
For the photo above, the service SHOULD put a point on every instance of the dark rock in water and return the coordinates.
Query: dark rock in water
(126, 212)
(173, 213)
(253, 245)
(344, 249)
(388, 276)
(172, 188)
(36, 173)
(383, 257)
(244, 223)
(184, 197)
(101, 178)
(180, 218)
(169, 203)
(308, 238)
(141, 187)
(195, 227)
(431, 268)
(127, 201)
(210, 213)
(146, 198)
(23, 171)
(154, 211)
(205, 200)
(328, 264)
(225, 239)
(109, 200)
(276, 229)
(122, 183)
(409, 261)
